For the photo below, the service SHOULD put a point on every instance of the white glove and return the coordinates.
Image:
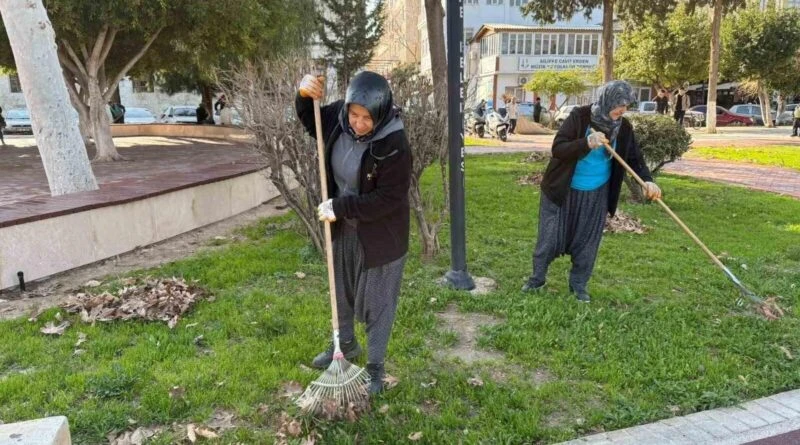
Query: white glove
(652, 191)
(596, 139)
(312, 86)
(325, 211)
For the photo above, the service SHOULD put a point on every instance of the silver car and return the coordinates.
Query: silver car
(563, 113)
(179, 114)
(751, 111)
(139, 116)
(18, 120)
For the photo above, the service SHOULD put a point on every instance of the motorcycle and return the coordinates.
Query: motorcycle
(475, 124)
(498, 124)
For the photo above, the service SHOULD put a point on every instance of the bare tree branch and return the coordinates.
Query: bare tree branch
(78, 63)
(113, 84)
(93, 64)
(107, 46)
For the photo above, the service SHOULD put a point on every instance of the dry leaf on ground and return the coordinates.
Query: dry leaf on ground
(177, 392)
(291, 389)
(475, 381)
(390, 381)
(300, 275)
(52, 329)
(221, 421)
(415, 436)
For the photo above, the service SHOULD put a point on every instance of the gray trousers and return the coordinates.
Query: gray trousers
(574, 229)
(367, 295)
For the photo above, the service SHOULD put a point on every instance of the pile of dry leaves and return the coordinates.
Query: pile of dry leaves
(531, 179)
(624, 223)
(537, 156)
(147, 299)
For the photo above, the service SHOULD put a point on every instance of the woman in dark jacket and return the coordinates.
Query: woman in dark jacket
(369, 171)
(582, 184)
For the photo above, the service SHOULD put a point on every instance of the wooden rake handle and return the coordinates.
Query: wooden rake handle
(683, 226)
(323, 184)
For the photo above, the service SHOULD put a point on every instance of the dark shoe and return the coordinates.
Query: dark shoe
(532, 286)
(582, 296)
(350, 350)
(376, 373)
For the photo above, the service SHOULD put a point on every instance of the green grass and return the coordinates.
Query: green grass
(664, 330)
(776, 156)
(472, 141)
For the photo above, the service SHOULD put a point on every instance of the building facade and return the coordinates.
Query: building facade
(399, 44)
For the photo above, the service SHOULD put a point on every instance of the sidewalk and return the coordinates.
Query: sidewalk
(771, 420)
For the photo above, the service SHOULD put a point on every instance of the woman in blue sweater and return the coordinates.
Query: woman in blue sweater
(582, 185)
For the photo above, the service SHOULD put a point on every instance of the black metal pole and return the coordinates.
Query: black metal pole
(457, 277)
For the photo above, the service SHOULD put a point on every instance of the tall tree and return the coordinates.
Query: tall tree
(434, 17)
(551, 83)
(261, 29)
(758, 48)
(550, 11)
(350, 34)
(54, 121)
(717, 9)
(665, 52)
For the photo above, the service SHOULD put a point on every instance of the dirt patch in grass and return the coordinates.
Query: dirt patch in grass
(467, 328)
(52, 291)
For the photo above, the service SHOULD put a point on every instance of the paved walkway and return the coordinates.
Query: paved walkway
(767, 421)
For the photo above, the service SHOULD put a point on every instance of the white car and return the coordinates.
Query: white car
(18, 120)
(563, 113)
(139, 116)
(236, 120)
(179, 114)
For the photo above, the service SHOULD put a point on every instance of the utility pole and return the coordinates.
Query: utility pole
(457, 277)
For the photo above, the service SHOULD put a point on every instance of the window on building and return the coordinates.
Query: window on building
(595, 44)
(553, 43)
(484, 47)
(14, 85)
(527, 49)
(470, 2)
(562, 43)
(145, 85)
(468, 34)
(494, 2)
(504, 49)
(523, 2)
(537, 44)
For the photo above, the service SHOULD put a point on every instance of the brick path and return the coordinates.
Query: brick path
(770, 420)
(158, 165)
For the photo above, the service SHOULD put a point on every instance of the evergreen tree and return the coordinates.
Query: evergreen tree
(350, 34)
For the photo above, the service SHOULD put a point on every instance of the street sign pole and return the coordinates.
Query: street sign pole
(457, 277)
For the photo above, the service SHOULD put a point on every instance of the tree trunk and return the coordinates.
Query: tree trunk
(101, 124)
(764, 101)
(434, 15)
(208, 99)
(54, 121)
(713, 68)
(608, 40)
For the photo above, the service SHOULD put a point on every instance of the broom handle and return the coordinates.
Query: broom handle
(675, 217)
(323, 184)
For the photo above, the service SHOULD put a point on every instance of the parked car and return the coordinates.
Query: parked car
(179, 114)
(562, 114)
(139, 116)
(724, 117)
(751, 111)
(646, 107)
(236, 120)
(18, 120)
(787, 117)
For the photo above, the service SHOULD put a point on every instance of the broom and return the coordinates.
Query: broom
(768, 307)
(343, 386)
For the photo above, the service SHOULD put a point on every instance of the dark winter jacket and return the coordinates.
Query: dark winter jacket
(570, 146)
(381, 207)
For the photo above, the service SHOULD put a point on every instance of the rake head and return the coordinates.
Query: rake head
(339, 393)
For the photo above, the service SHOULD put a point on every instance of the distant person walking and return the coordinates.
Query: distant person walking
(513, 114)
(795, 127)
(3, 126)
(662, 102)
(202, 114)
(680, 103)
(537, 110)
(117, 112)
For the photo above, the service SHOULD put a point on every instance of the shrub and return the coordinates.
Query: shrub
(661, 139)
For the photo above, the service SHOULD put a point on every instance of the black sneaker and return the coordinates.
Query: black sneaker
(350, 350)
(582, 296)
(532, 286)
(376, 373)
